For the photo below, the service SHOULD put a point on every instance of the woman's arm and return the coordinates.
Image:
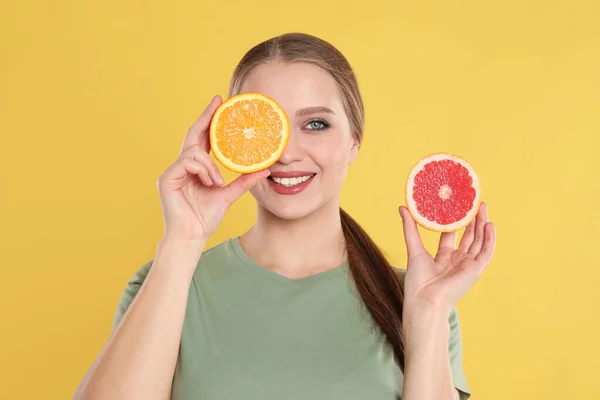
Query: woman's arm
(138, 361)
(427, 372)
(432, 286)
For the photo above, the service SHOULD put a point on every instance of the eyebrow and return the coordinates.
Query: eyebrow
(313, 110)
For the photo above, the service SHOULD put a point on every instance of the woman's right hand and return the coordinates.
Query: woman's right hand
(192, 195)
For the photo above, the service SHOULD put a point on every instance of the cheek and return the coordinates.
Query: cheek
(331, 152)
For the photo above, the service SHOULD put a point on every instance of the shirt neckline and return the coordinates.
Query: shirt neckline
(340, 271)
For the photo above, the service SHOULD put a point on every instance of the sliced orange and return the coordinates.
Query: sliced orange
(249, 132)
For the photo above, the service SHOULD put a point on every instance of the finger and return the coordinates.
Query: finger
(197, 168)
(480, 222)
(204, 176)
(180, 169)
(242, 184)
(198, 154)
(198, 132)
(467, 238)
(489, 245)
(414, 244)
(447, 241)
(214, 172)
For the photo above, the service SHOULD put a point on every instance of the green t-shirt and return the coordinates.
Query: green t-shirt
(250, 333)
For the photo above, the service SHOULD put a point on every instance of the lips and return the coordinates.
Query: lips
(288, 183)
(293, 181)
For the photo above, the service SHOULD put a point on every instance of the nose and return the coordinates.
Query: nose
(294, 151)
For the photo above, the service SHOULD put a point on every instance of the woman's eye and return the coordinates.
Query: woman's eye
(317, 125)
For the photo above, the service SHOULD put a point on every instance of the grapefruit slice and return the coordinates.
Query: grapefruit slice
(249, 132)
(442, 193)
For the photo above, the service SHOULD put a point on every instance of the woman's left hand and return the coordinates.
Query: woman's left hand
(443, 280)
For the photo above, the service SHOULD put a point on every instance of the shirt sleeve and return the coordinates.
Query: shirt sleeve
(131, 290)
(456, 365)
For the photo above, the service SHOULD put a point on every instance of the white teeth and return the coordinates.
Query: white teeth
(291, 181)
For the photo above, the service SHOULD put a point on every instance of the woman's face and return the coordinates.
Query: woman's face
(311, 170)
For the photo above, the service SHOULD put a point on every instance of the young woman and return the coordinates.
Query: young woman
(303, 305)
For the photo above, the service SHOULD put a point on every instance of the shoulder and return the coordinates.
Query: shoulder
(224, 249)
(141, 273)
(400, 273)
(209, 255)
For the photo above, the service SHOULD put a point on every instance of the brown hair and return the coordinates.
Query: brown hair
(376, 281)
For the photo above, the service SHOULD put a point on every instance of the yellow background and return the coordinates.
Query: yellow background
(96, 97)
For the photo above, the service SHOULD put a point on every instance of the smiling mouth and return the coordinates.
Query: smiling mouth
(291, 182)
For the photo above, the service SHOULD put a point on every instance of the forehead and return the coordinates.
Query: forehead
(294, 85)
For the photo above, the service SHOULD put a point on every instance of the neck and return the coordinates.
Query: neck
(297, 248)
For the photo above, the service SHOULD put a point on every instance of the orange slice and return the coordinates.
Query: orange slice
(249, 132)
(443, 193)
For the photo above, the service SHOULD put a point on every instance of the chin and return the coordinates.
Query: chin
(289, 209)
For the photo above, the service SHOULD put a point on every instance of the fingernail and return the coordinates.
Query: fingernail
(220, 179)
(401, 213)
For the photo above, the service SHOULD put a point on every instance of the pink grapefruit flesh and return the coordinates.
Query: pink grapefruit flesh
(443, 193)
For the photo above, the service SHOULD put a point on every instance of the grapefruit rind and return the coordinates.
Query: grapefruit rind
(214, 141)
(412, 206)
